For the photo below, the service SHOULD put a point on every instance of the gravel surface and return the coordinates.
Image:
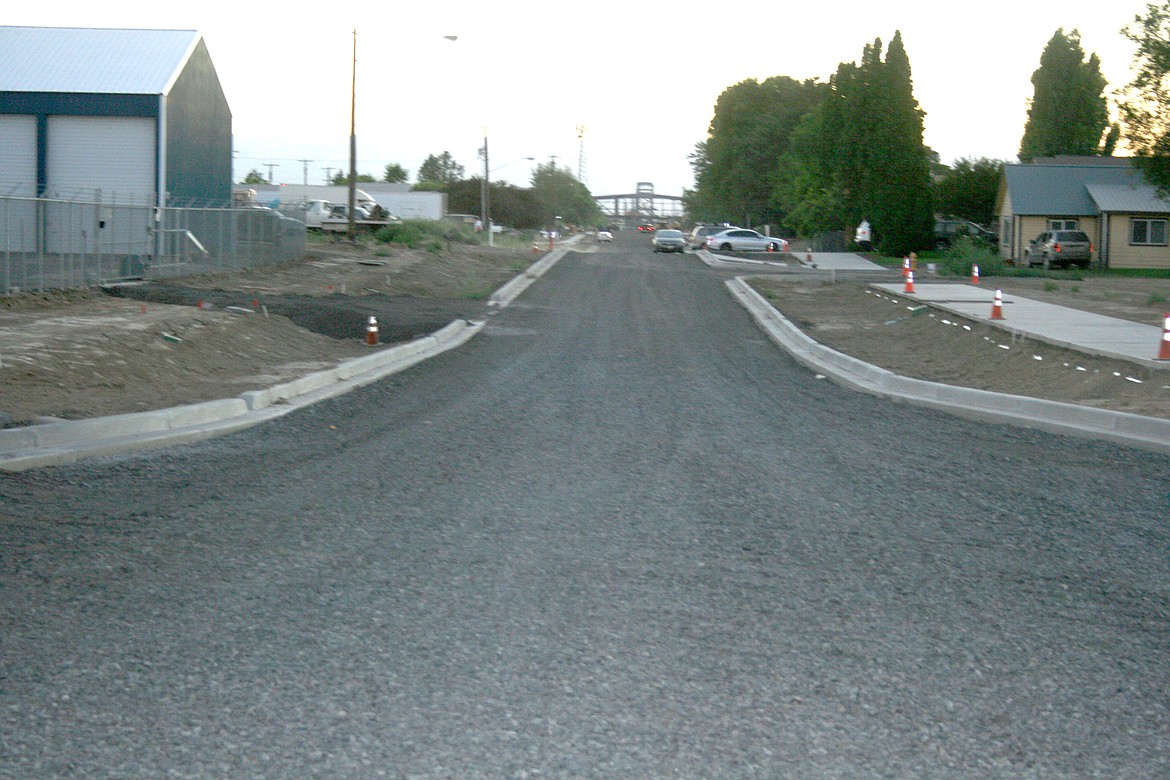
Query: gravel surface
(618, 534)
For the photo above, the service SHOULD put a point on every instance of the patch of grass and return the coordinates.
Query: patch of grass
(1155, 298)
(1076, 288)
(474, 292)
(1051, 287)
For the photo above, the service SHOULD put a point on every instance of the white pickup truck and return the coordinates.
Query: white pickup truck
(334, 217)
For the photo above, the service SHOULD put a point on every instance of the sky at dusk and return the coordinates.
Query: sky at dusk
(641, 79)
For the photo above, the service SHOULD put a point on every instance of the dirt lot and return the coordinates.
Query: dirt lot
(72, 355)
(83, 354)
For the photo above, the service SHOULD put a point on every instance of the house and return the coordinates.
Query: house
(120, 116)
(1106, 197)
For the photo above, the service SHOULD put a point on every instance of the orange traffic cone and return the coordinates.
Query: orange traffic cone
(1164, 350)
(372, 332)
(906, 266)
(997, 307)
(909, 282)
(974, 274)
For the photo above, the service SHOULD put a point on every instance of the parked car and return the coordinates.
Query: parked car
(744, 240)
(604, 236)
(699, 234)
(646, 228)
(669, 241)
(1058, 248)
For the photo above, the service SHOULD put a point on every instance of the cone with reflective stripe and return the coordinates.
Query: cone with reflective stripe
(974, 274)
(906, 266)
(909, 282)
(372, 332)
(997, 307)
(1164, 350)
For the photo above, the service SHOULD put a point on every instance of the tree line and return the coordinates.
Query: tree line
(811, 157)
(554, 193)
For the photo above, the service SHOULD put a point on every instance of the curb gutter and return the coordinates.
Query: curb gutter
(59, 443)
(1150, 433)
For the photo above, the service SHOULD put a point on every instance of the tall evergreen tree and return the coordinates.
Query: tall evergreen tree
(1145, 110)
(1069, 113)
(902, 205)
(736, 168)
(871, 146)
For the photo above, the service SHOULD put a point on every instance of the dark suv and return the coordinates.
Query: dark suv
(1057, 248)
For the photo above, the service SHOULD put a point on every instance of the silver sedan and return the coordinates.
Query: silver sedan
(669, 241)
(744, 240)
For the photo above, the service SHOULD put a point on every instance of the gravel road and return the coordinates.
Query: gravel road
(618, 534)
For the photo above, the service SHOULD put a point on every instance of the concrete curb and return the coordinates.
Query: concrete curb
(1151, 433)
(69, 441)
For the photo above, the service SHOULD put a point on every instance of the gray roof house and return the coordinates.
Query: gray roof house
(1105, 197)
(132, 116)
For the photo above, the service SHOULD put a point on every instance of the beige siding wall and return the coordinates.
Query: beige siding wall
(1123, 255)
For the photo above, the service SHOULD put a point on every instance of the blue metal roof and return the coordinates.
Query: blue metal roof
(1120, 199)
(86, 60)
(1062, 190)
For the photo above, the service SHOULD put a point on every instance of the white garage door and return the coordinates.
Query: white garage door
(111, 155)
(18, 155)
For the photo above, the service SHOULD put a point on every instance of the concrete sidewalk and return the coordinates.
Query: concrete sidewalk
(1061, 326)
(820, 261)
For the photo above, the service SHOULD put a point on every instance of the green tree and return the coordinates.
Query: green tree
(510, 205)
(395, 174)
(559, 194)
(1069, 113)
(901, 199)
(341, 178)
(441, 169)
(1145, 107)
(968, 189)
(254, 177)
(864, 158)
(735, 168)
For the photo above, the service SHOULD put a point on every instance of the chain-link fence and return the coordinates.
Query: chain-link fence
(55, 244)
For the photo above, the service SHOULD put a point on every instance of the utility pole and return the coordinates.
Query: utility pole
(270, 166)
(305, 163)
(328, 175)
(353, 140)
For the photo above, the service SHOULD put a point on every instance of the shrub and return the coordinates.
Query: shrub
(966, 252)
(428, 234)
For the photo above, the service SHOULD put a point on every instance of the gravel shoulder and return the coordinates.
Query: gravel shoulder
(80, 354)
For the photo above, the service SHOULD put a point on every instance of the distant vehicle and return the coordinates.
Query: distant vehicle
(1058, 248)
(334, 217)
(646, 228)
(947, 230)
(744, 240)
(604, 236)
(699, 233)
(669, 241)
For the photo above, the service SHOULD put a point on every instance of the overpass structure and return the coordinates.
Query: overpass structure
(641, 204)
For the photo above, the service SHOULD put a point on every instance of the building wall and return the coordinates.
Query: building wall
(1122, 254)
(198, 136)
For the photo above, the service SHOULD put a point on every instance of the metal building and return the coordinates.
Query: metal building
(121, 116)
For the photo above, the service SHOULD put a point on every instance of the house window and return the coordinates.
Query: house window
(1063, 224)
(1147, 232)
(1005, 232)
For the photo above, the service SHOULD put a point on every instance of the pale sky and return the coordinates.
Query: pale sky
(641, 78)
